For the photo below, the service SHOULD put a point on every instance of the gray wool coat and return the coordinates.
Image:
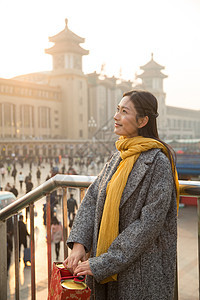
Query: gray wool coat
(144, 253)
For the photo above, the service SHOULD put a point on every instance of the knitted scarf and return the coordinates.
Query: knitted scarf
(130, 149)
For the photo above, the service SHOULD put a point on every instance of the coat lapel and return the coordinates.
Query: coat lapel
(111, 169)
(138, 172)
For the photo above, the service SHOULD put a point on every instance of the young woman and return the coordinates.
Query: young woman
(127, 220)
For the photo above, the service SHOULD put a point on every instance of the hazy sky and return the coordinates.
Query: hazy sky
(121, 34)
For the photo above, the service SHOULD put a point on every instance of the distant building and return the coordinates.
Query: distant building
(67, 104)
(173, 122)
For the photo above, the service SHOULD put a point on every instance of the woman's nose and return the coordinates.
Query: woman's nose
(116, 116)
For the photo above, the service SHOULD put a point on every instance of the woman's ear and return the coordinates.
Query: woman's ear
(143, 121)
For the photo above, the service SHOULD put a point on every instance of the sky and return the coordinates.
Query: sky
(120, 34)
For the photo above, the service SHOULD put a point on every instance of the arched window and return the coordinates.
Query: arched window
(27, 116)
(43, 117)
(7, 114)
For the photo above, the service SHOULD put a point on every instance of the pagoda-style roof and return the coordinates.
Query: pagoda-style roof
(152, 73)
(152, 69)
(152, 65)
(66, 41)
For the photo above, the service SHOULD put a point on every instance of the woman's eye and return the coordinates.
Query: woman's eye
(124, 111)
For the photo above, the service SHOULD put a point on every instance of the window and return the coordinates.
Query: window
(9, 114)
(148, 82)
(27, 116)
(44, 117)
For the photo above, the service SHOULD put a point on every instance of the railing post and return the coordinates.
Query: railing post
(82, 194)
(31, 209)
(198, 211)
(16, 249)
(3, 261)
(48, 222)
(65, 223)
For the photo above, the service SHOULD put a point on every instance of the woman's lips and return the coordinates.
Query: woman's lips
(117, 125)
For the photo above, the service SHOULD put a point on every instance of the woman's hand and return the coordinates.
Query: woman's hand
(77, 254)
(83, 269)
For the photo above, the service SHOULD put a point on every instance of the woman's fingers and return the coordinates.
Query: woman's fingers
(83, 269)
(65, 262)
(78, 254)
(72, 264)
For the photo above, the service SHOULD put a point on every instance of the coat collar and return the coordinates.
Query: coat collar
(138, 172)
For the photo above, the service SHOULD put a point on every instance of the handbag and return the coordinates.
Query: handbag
(63, 285)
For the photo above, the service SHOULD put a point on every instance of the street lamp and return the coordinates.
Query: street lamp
(91, 125)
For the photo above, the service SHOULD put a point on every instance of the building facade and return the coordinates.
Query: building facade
(66, 104)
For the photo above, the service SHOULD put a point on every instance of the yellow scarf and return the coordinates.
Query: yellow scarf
(130, 149)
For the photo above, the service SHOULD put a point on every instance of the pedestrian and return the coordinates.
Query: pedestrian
(10, 226)
(128, 217)
(14, 191)
(63, 169)
(29, 186)
(27, 178)
(9, 169)
(23, 233)
(9, 249)
(56, 235)
(21, 179)
(30, 165)
(8, 187)
(71, 171)
(14, 173)
(38, 175)
(71, 205)
(2, 172)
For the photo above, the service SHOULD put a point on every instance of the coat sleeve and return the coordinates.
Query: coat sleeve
(138, 236)
(83, 226)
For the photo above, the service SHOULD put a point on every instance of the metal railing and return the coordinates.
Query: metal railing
(190, 188)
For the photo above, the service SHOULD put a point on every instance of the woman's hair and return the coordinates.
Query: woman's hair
(55, 221)
(146, 104)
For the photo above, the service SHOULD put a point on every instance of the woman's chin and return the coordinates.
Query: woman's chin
(117, 132)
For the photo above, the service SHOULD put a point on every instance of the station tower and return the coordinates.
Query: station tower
(152, 81)
(68, 74)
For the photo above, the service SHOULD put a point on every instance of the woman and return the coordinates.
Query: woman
(127, 220)
(56, 235)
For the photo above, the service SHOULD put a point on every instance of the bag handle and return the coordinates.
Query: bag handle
(75, 278)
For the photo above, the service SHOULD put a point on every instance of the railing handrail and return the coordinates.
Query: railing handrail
(190, 188)
(47, 187)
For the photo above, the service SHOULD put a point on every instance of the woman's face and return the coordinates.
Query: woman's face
(125, 119)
